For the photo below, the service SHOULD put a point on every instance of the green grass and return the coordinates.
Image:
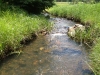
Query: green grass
(95, 58)
(87, 14)
(15, 25)
(81, 11)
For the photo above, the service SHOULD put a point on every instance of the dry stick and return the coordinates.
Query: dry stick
(87, 45)
(81, 38)
(16, 52)
(84, 60)
(89, 66)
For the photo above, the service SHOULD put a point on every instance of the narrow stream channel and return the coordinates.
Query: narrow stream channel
(53, 54)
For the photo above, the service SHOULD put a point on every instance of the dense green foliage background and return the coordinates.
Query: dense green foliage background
(77, 0)
(32, 6)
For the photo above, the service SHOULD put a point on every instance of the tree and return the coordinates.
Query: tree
(97, 0)
(32, 6)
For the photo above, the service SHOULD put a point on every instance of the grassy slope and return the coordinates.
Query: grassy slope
(95, 58)
(15, 26)
(83, 12)
(88, 14)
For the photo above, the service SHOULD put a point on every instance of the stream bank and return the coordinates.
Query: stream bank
(53, 54)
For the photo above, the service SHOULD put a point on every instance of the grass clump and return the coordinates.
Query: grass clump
(16, 25)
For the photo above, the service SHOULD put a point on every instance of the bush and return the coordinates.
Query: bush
(32, 6)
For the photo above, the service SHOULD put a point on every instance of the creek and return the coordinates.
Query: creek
(53, 54)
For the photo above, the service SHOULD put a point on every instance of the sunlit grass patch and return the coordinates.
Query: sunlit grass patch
(16, 26)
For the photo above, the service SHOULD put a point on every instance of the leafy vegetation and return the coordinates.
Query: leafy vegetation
(32, 6)
(76, 1)
(95, 58)
(87, 14)
(16, 25)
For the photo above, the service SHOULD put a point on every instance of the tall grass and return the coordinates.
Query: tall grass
(81, 11)
(87, 14)
(95, 58)
(15, 25)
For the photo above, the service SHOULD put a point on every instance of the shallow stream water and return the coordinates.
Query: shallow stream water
(53, 54)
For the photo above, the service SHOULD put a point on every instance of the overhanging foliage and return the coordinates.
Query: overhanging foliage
(32, 6)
